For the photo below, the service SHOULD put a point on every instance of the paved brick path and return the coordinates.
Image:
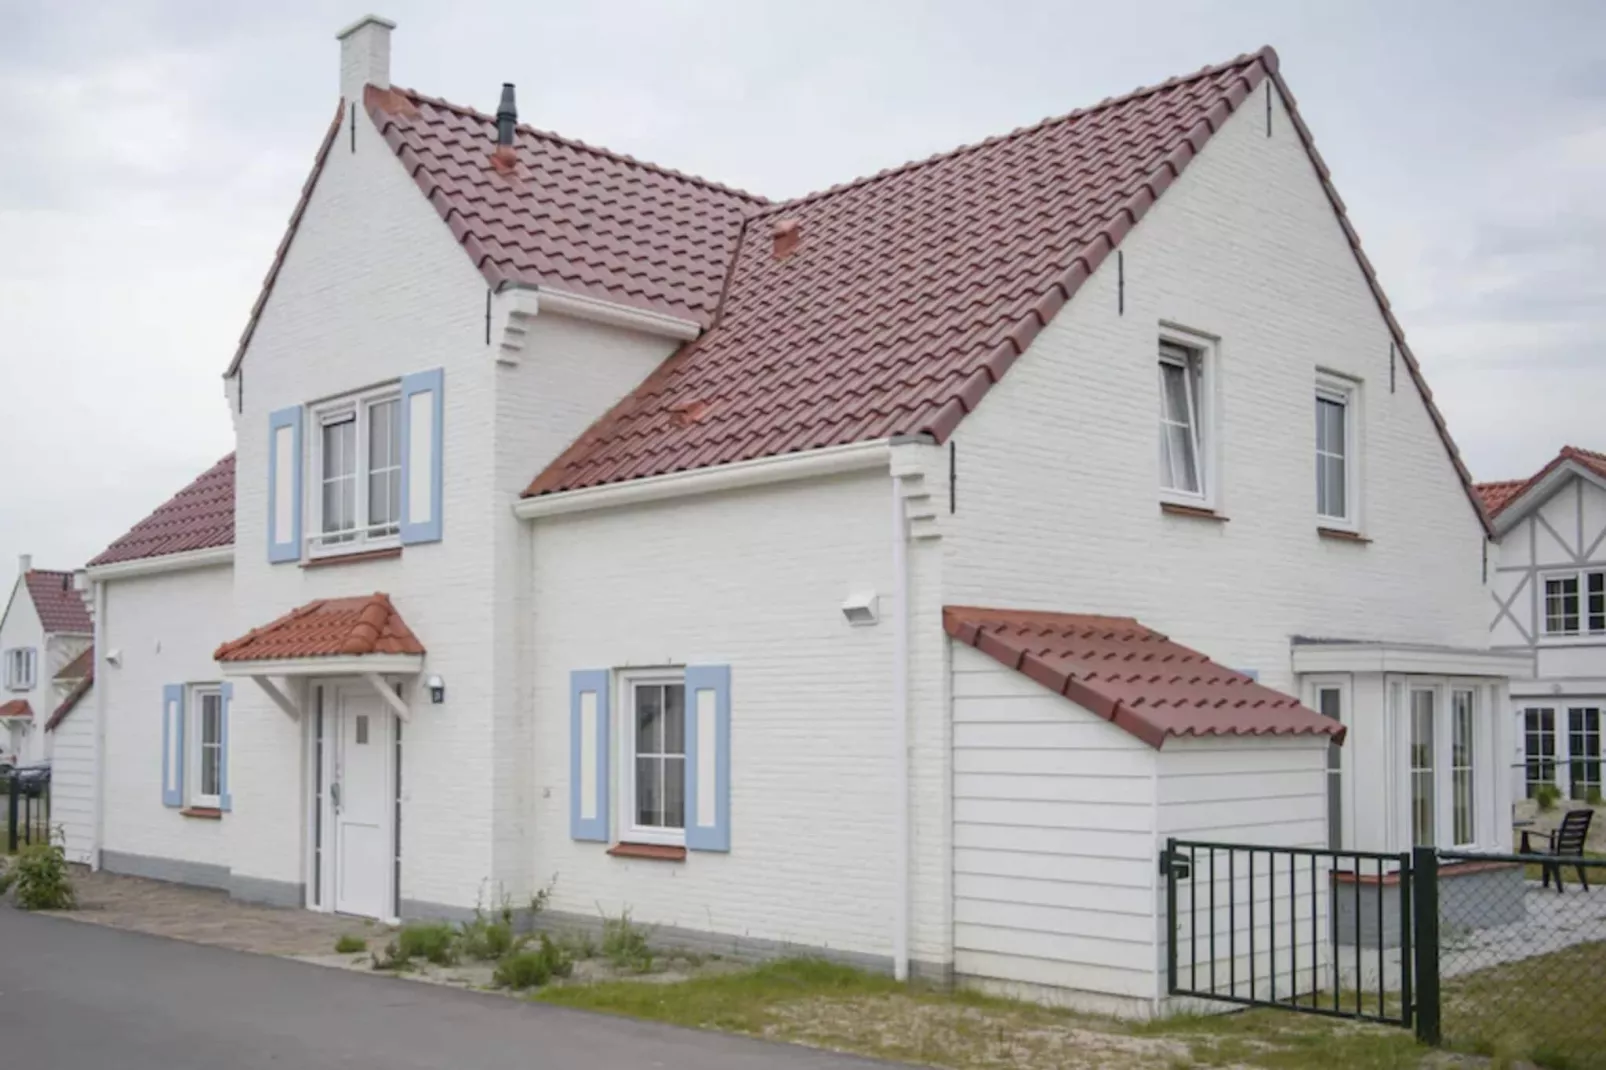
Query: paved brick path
(203, 916)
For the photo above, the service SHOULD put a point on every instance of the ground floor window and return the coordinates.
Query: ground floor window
(1583, 752)
(1538, 748)
(1423, 787)
(655, 743)
(1463, 734)
(206, 747)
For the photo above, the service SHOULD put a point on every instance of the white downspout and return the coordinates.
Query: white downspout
(900, 714)
(100, 685)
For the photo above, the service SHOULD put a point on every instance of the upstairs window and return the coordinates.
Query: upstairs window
(359, 470)
(19, 668)
(1336, 483)
(1575, 603)
(1182, 427)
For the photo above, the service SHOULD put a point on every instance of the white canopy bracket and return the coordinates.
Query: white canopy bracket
(392, 699)
(280, 699)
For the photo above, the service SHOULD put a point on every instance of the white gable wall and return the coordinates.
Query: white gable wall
(21, 628)
(72, 779)
(374, 287)
(1058, 489)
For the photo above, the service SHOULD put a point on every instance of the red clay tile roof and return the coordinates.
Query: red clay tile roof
(81, 666)
(1497, 497)
(70, 702)
(61, 609)
(1132, 676)
(566, 215)
(329, 627)
(199, 517)
(910, 293)
(17, 707)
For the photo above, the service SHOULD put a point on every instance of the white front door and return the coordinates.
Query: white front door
(361, 799)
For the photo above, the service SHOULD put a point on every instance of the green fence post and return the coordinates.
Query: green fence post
(1425, 945)
(1167, 864)
(11, 815)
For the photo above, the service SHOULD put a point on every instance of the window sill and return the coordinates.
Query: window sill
(1341, 534)
(205, 813)
(355, 557)
(661, 852)
(1197, 512)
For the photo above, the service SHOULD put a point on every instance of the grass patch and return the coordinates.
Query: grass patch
(350, 944)
(1548, 1009)
(836, 1007)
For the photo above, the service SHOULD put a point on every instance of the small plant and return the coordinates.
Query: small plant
(392, 959)
(578, 943)
(433, 941)
(624, 944)
(38, 875)
(1547, 796)
(350, 944)
(531, 967)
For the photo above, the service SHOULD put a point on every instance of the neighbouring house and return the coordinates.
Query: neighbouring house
(72, 762)
(1549, 595)
(46, 625)
(882, 573)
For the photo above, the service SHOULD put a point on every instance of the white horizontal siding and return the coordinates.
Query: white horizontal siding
(1053, 839)
(1267, 792)
(72, 781)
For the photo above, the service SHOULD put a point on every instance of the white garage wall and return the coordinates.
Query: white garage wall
(72, 780)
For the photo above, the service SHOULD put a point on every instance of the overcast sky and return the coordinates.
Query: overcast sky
(151, 151)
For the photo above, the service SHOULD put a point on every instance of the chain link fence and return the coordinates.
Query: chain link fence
(1522, 956)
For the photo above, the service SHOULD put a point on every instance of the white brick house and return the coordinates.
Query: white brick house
(597, 527)
(45, 626)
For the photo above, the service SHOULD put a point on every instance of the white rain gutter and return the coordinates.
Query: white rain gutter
(858, 456)
(900, 716)
(99, 685)
(153, 566)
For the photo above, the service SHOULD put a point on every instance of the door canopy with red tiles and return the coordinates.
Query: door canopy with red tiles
(1133, 676)
(16, 709)
(331, 628)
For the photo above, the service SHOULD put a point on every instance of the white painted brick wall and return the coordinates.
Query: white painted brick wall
(21, 628)
(754, 579)
(72, 780)
(164, 628)
(1058, 485)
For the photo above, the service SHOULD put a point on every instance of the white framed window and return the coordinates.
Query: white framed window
(356, 469)
(1463, 768)
(1575, 603)
(205, 745)
(1424, 780)
(1188, 469)
(20, 668)
(1538, 748)
(1583, 752)
(652, 780)
(1337, 455)
(1329, 701)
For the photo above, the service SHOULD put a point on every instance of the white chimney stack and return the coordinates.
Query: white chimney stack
(364, 56)
(24, 564)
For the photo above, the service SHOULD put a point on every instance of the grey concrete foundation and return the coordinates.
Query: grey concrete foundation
(205, 875)
(267, 892)
(1477, 896)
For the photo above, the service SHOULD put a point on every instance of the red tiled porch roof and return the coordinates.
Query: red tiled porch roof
(199, 517)
(329, 627)
(17, 707)
(1499, 495)
(1133, 676)
(61, 607)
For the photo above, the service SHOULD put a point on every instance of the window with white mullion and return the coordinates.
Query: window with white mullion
(655, 744)
(1583, 752)
(1424, 762)
(384, 467)
(1181, 455)
(1575, 603)
(338, 450)
(359, 466)
(1332, 455)
(1539, 748)
(206, 746)
(1463, 768)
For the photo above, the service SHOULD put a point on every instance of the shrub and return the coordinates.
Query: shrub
(624, 944)
(38, 875)
(433, 941)
(1547, 796)
(578, 943)
(532, 967)
(485, 939)
(349, 944)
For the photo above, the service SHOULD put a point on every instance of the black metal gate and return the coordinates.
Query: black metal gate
(26, 793)
(1316, 931)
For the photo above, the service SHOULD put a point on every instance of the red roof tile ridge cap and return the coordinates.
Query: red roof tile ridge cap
(1265, 54)
(595, 150)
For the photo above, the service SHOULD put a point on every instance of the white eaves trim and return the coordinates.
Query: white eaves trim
(349, 665)
(1405, 658)
(832, 460)
(210, 557)
(1540, 493)
(560, 302)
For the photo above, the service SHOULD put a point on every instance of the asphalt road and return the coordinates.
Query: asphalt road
(76, 996)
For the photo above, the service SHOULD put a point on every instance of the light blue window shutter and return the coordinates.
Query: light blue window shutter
(708, 757)
(284, 485)
(421, 456)
(588, 755)
(173, 745)
(226, 699)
